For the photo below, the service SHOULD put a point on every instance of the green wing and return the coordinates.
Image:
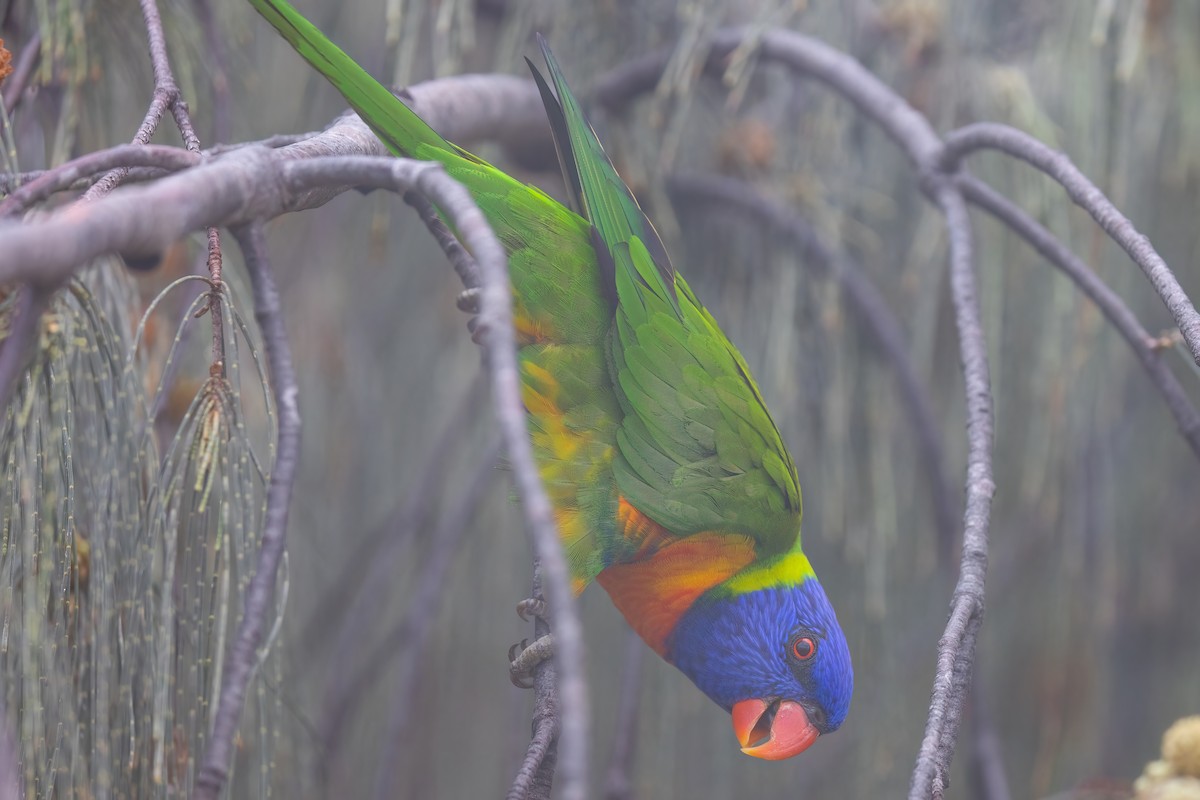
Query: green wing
(598, 192)
(697, 449)
(629, 383)
(562, 305)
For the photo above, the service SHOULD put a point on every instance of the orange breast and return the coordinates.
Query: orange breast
(667, 574)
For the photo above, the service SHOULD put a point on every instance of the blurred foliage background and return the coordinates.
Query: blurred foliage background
(133, 482)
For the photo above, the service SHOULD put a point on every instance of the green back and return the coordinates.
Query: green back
(698, 450)
(631, 387)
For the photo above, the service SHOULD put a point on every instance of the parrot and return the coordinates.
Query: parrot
(671, 485)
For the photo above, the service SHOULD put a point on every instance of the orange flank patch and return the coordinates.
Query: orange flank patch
(653, 593)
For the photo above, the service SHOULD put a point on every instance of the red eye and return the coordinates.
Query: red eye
(804, 648)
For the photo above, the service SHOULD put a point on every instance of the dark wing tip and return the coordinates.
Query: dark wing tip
(562, 140)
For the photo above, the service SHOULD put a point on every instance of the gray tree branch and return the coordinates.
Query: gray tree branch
(988, 135)
(167, 97)
(1108, 301)
(57, 179)
(248, 184)
(240, 186)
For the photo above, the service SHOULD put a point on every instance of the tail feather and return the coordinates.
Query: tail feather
(603, 198)
(397, 126)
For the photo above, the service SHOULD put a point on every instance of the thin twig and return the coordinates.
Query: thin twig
(422, 611)
(15, 85)
(215, 314)
(874, 313)
(1108, 301)
(164, 80)
(50, 181)
(956, 648)
(456, 254)
(618, 784)
(243, 655)
(166, 98)
(1017, 143)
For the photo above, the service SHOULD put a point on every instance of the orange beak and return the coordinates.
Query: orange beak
(772, 730)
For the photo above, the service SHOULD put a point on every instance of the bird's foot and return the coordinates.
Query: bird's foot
(524, 657)
(532, 607)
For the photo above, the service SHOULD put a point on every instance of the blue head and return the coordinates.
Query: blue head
(774, 657)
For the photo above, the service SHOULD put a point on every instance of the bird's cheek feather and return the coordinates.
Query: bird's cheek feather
(772, 730)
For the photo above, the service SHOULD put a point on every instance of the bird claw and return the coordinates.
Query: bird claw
(524, 659)
(468, 300)
(477, 330)
(532, 607)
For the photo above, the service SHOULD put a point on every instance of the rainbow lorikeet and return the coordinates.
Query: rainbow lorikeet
(671, 485)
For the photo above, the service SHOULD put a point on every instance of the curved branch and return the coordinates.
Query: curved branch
(252, 184)
(462, 262)
(495, 331)
(900, 121)
(533, 778)
(167, 97)
(1016, 143)
(1108, 301)
(57, 179)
